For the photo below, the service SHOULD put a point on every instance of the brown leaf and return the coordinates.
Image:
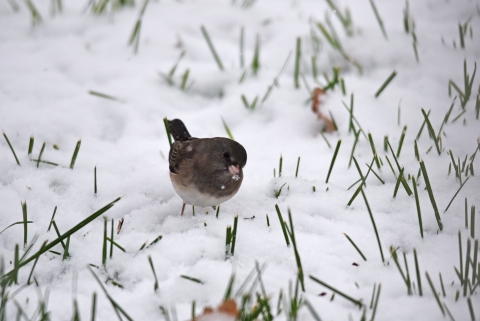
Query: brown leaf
(226, 311)
(316, 103)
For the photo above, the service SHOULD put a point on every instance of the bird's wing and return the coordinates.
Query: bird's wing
(180, 152)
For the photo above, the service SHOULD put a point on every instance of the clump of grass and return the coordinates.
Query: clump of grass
(333, 40)
(277, 193)
(467, 85)
(406, 275)
(100, 6)
(248, 105)
(116, 307)
(169, 77)
(344, 17)
(48, 246)
(35, 15)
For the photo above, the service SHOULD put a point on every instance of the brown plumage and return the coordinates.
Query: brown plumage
(204, 171)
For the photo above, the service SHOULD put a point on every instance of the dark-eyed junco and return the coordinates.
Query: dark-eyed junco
(204, 171)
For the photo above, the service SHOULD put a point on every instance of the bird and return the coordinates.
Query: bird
(204, 171)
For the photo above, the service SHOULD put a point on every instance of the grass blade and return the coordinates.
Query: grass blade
(446, 209)
(356, 247)
(155, 285)
(333, 159)
(102, 95)
(298, 165)
(212, 49)
(435, 293)
(374, 150)
(295, 249)
(401, 141)
(417, 204)
(417, 270)
(75, 154)
(349, 298)
(11, 148)
(167, 129)
(379, 20)
(282, 223)
(298, 55)
(430, 194)
(229, 133)
(234, 235)
(385, 84)
(431, 131)
(373, 223)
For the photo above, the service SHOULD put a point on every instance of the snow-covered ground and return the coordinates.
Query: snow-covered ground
(48, 70)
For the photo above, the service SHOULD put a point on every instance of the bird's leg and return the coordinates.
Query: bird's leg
(183, 208)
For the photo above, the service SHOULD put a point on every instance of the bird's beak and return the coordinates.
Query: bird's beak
(234, 169)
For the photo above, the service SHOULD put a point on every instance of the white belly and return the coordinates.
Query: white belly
(194, 197)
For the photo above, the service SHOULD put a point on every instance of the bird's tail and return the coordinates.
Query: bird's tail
(178, 130)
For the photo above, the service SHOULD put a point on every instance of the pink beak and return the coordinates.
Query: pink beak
(234, 169)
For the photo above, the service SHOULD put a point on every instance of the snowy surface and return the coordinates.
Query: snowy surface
(47, 71)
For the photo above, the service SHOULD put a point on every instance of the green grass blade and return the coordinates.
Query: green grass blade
(229, 133)
(374, 225)
(212, 49)
(349, 298)
(435, 293)
(75, 154)
(417, 270)
(448, 206)
(298, 55)
(430, 194)
(333, 159)
(379, 19)
(167, 129)
(30, 145)
(282, 223)
(431, 131)
(102, 95)
(385, 84)
(355, 246)
(11, 148)
(417, 204)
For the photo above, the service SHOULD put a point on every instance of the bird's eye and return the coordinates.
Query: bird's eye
(226, 155)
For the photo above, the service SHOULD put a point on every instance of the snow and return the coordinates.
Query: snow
(48, 70)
